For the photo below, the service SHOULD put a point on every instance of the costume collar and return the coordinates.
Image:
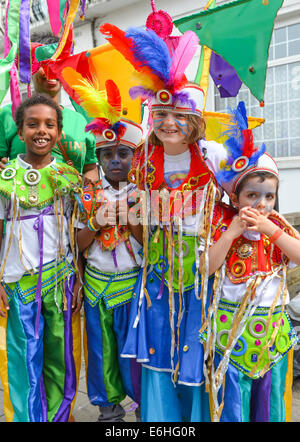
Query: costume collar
(252, 235)
(107, 185)
(26, 165)
(198, 176)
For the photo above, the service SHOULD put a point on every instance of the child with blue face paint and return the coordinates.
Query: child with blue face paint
(249, 339)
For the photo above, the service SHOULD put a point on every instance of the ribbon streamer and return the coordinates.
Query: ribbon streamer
(12, 39)
(24, 43)
(73, 8)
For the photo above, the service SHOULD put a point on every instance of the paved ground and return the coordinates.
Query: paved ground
(84, 412)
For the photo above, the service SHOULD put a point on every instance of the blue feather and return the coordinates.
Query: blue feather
(235, 144)
(150, 50)
(239, 121)
(234, 147)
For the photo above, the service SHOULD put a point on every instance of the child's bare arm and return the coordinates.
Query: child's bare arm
(289, 245)
(219, 250)
(85, 237)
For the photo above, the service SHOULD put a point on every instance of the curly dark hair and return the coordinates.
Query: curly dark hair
(34, 100)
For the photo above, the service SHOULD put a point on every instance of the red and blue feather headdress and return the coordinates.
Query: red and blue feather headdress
(159, 75)
(243, 155)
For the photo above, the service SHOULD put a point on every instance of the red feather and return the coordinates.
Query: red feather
(122, 131)
(116, 37)
(248, 146)
(113, 95)
(97, 126)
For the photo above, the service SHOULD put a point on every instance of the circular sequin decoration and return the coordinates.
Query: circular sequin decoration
(164, 97)
(238, 268)
(158, 266)
(223, 228)
(240, 164)
(151, 351)
(185, 348)
(8, 173)
(219, 337)
(109, 135)
(240, 347)
(184, 246)
(282, 342)
(32, 177)
(87, 197)
(33, 199)
(251, 357)
(185, 277)
(245, 251)
(106, 236)
(223, 318)
(257, 327)
(153, 256)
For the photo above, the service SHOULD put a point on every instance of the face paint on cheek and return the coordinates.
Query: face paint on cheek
(158, 123)
(183, 127)
(269, 207)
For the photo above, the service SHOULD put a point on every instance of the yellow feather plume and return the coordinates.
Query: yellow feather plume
(147, 81)
(93, 100)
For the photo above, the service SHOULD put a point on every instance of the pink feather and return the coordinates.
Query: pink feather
(182, 56)
(97, 126)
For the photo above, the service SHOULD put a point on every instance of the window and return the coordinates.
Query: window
(281, 130)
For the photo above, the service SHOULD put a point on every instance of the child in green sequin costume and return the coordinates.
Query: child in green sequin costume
(39, 286)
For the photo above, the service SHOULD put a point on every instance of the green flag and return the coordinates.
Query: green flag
(240, 32)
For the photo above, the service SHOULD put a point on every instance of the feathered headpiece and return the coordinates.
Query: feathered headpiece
(243, 157)
(105, 107)
(159, 76)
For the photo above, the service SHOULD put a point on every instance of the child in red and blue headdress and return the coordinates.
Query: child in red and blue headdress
(248, 335)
